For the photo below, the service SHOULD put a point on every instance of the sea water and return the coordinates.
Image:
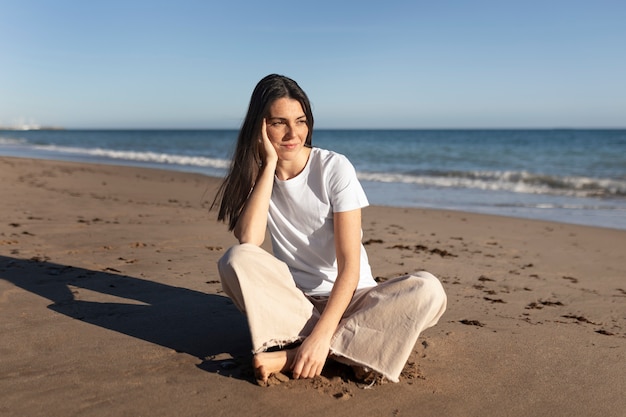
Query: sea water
(572, 176)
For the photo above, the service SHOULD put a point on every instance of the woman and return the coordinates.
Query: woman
(315, 297)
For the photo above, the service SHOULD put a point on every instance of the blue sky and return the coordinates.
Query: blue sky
(392, 64)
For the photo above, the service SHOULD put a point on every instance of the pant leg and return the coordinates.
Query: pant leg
(262, 287)
(382, 324)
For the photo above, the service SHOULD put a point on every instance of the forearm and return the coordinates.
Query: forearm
(252, 222)
(338, 302)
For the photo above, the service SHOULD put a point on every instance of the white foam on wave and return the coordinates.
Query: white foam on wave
(565, 206)
(136, 156)
(510, 181)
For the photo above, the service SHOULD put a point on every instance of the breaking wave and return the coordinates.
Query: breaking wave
(144, 156)
(511, 181)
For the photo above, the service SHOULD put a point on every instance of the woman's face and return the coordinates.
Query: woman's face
(287, 128)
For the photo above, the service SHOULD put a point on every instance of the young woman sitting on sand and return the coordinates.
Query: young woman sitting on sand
(315, 296)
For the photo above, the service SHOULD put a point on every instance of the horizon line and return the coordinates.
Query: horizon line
(52, 128)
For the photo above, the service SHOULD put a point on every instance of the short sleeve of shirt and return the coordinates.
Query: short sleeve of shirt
(346, 192)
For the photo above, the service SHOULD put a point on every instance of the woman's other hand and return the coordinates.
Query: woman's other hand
(311, 357)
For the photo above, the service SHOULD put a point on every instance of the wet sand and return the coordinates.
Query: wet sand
(110, 304)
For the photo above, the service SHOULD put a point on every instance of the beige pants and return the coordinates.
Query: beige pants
(378, 330)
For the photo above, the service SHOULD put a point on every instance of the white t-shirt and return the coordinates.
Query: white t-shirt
(300, 220)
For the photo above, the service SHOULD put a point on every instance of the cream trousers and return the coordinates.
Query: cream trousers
(378, 330)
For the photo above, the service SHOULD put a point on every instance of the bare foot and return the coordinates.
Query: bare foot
(266, 364)
(367, 376)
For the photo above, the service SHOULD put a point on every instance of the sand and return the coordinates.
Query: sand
(110, 304)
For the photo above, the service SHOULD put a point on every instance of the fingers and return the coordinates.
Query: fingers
(266, 148)
(298, 367)
(261, 145)
(306, 368)
(263, 130)
(310, 358)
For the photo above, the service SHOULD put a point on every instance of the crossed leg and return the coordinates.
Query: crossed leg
(266, 364)
(379, 329)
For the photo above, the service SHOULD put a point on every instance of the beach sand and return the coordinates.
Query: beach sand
(110, 305)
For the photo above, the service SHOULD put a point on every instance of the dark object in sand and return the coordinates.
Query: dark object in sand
(471, 322)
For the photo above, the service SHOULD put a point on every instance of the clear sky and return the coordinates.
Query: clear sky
(390, 64)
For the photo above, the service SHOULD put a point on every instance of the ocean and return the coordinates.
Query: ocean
(562, 175)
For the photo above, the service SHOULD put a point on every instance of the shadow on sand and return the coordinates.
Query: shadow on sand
(206, 326)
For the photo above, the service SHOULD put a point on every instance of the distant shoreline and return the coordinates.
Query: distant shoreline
(27, 128)
(403, 129)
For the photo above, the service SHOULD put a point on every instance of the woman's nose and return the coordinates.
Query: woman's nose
(290, 131)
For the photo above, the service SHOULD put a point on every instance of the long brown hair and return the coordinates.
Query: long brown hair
(246, 162)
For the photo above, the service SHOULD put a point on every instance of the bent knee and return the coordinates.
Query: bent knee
(237, 252)
(428, 284)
